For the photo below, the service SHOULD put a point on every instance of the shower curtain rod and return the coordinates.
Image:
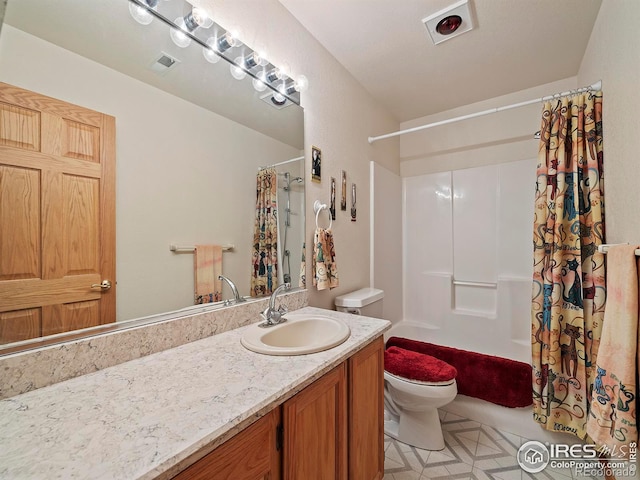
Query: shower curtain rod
(284, 163)
(595, 87)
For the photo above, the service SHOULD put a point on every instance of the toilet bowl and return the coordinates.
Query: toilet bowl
(411, 410)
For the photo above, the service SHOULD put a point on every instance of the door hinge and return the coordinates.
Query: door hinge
(279, 437)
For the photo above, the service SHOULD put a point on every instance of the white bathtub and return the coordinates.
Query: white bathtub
(518, 421)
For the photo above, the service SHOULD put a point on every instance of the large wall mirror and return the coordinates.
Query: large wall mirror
(190, 141)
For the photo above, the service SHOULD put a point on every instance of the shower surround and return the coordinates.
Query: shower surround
(468, 258)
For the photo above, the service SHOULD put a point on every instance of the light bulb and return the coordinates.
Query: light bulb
(210, 53)
(227, 41)
(287, 88)
(301, 84)
(200, 17)
(253, 60)
(259, 82)
(263, 57)
(285, 70)
(273, 75)
(278, 99)
(238, 72)
(188, 24)
(235, 37)
(141, 14)
(179, 35)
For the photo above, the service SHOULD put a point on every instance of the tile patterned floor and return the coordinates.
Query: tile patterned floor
(472, 451)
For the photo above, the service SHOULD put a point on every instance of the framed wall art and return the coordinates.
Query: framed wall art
(343, 201)
(316, 164)
(332, 208)
(353, 202)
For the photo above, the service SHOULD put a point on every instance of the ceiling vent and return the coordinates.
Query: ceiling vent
(163, 63)
(449, 22)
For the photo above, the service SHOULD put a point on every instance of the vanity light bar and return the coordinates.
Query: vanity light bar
(292, 94)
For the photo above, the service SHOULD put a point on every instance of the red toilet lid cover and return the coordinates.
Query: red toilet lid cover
(417, 366)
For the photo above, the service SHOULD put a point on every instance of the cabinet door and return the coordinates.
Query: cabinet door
(315, 430)
(250, 455)
(366, 413)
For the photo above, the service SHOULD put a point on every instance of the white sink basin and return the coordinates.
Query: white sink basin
(302, 333)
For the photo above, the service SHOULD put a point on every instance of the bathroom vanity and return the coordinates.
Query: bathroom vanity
(209, 409)
(331, 429)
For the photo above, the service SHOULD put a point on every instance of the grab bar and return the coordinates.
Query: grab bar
(183, 249)
(475, 284)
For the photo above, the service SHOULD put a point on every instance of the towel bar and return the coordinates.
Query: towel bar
(604, 248)
(183, 249)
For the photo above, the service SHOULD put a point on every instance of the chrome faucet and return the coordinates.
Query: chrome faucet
(236, 296)
(273, 315)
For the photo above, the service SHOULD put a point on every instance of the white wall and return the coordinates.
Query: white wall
(180, 175)
(339, 116)
(386, 234)
(492, 139)
(613, 55)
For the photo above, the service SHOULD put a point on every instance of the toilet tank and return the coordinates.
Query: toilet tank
(366, 301)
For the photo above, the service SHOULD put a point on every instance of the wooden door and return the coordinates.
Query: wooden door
(315, 430)
(250, 455)
(57, 216)
(366, 413)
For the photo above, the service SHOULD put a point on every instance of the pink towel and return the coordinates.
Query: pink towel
(207, 266)
(612, 423)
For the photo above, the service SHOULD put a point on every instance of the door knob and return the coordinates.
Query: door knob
(105, 285)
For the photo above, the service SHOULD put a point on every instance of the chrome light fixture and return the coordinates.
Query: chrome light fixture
(216, 46)
(217, 43)
(141, 14)
(188, 24)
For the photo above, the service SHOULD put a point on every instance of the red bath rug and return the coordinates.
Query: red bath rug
(497, 380)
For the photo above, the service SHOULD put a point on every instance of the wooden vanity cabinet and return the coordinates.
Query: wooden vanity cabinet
(252, 454)
(331, 430)
(315, 430)
(366, 412)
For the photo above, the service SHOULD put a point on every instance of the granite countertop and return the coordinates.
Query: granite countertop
(140, 419)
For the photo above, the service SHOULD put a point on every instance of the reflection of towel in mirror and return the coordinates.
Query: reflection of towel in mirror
(302, 282)
(325, 270)
(207, 263)
(612, 419)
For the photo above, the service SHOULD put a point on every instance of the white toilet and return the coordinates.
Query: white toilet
(411, 410)
(411, 406)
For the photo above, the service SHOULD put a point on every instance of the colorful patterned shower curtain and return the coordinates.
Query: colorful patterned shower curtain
(264, 274)
(568, 280)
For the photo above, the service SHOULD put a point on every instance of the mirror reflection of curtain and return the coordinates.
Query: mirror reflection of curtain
(264, 274)
(568, 281)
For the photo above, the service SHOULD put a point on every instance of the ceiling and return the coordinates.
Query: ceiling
(517, 44)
